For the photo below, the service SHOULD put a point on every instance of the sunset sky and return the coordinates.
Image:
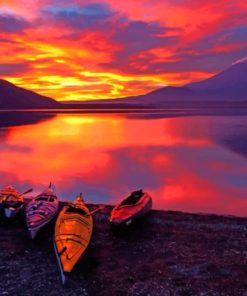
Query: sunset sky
(79, 50)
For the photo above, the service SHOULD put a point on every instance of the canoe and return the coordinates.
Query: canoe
(73, 231)
(11, 201)
(137, 204)
(41, 210)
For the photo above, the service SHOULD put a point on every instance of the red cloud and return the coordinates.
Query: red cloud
(107, 49)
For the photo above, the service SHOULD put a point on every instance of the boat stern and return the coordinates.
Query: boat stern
(10, 212)
(33, 232)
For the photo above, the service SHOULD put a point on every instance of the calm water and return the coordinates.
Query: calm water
(196, 163)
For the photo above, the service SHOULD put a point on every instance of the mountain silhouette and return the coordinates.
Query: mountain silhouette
(228, 83)
(228, 86)
(13, 97)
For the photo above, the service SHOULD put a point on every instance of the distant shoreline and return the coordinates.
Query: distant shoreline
(63, 203)
(169, 111)
(167, 106)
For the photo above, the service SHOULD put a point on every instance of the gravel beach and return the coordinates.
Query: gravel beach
(165, 253)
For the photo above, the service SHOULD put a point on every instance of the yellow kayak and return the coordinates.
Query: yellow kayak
(73, 231)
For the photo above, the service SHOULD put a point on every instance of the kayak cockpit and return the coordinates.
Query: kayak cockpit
(45, 198)
(13, 204)
(76, 210)
(133, 199)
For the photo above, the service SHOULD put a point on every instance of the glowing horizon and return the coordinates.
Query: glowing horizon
(103, 49)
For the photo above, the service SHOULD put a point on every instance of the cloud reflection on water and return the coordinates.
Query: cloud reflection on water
(186, 163)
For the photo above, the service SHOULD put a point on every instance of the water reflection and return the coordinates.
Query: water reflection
(10, 118)
(186, 163)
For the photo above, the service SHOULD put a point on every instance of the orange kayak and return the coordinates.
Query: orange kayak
(131, 208)
(11, 201)
(73, 231)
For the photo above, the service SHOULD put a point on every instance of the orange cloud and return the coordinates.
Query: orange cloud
(106, 49)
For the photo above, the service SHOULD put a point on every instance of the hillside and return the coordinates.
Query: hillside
(13, 97)
(228, 86)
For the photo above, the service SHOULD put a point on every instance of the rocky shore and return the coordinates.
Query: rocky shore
(166, 253)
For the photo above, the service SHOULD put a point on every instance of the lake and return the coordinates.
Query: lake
(187, 163)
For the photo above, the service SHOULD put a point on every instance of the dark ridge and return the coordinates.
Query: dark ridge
(13, 97)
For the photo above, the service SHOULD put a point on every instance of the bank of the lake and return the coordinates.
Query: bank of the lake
(167, 253)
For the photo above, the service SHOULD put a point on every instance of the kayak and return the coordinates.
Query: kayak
(131, 208)
(73, 231)
(11, 201)
(41, 210)
(2, 198)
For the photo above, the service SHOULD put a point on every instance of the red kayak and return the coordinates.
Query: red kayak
(133, 207)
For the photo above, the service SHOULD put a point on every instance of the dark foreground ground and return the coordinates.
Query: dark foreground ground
(167, 253)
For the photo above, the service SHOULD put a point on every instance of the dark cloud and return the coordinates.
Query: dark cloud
(12, 24)
(222, 37)
(13, 69)
(137, 37)
(79, 18)
(203, 62)
(235, 35)
(133, 37)
(130, 42)
(140, 36)
(181, 63)
(206, 54)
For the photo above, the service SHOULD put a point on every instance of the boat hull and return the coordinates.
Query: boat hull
(11, 201)
(11, 212)
(73, 231)
(126, 215)
(40, 211)
(33, 231)
(62, 273)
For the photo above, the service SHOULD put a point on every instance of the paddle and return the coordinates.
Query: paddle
(96, 210)
(26, 192)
